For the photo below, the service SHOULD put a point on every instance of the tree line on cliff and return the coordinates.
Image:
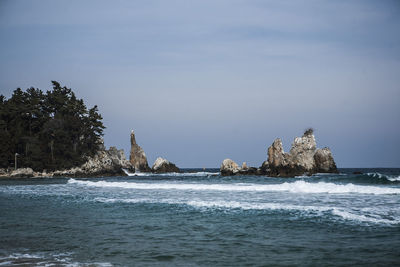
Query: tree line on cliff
(52, 130)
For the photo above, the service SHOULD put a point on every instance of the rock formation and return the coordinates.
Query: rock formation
(104, 163)
(324, 161)
(137, 156)
(303, 158)
(229, 167)
(22, 173)
(162, 166)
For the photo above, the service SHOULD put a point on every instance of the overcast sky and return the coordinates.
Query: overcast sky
(201, 81)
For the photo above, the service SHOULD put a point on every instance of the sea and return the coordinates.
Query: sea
(200, 218)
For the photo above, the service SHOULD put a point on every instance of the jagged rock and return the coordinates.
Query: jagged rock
(302, 158)
(162, 166)
(137, 156)
(3, 172)
(276, 156)
(324, 161)
(264, 169)
(229, 167)
(104, 162)
(110, 161)
(244, 166)
(302, 152)
(22, 173)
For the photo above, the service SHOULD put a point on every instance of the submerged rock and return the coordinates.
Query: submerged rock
(137, 156)
(162, 166)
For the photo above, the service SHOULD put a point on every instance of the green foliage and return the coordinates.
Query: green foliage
(52, 130)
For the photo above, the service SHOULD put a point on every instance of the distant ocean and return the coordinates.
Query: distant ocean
(202, 219)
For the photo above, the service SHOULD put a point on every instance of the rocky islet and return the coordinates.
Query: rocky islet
(303, 158)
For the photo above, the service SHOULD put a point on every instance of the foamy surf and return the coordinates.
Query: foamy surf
(172, 174)
(392, 178)
(46, 259)
(294, 187)
(343, 213)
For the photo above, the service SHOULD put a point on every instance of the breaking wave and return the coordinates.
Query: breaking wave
(343, 213)
(45, 259)
(391, 178)
(174, 174)
(294, 187)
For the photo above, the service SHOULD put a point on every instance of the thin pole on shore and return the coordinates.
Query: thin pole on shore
(16, 154)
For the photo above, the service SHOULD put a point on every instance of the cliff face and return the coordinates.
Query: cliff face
(137, 156)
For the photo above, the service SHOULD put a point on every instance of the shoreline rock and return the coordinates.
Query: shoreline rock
(137, 156)
(105, 163)
(162, 165)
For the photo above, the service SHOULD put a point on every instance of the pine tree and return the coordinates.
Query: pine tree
(49, 131)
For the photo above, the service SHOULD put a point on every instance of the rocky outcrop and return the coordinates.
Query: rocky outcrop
(162, 166)
(301, 154)
(324, 161)
(229, 167)
(22, 173)
(104, 163)
(137, 156)
(303, 158)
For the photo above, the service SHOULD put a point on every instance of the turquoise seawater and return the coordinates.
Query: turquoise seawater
(202, 219)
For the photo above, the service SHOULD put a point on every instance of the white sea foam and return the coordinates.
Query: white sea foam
(341, 212)
(45, 259)
(293, 187)
(178, 174)
(392, 178)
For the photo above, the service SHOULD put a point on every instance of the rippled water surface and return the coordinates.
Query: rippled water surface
(202, 219)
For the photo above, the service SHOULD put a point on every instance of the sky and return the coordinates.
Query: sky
(201, 81)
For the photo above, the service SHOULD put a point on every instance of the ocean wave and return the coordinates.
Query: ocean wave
(177, 174)
(343, 213)
(294, 187)
(45, 259)
(391, 178)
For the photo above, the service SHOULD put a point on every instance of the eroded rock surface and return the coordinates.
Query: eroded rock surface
(137, 156)
(229, 167)
(303, 158)
(22, 173)
(163, 166)
(324, 161)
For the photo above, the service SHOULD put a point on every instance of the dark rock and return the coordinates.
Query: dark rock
(137, 156)
(324, 161)
(22, 173)
(163, 166)
(229, 167)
